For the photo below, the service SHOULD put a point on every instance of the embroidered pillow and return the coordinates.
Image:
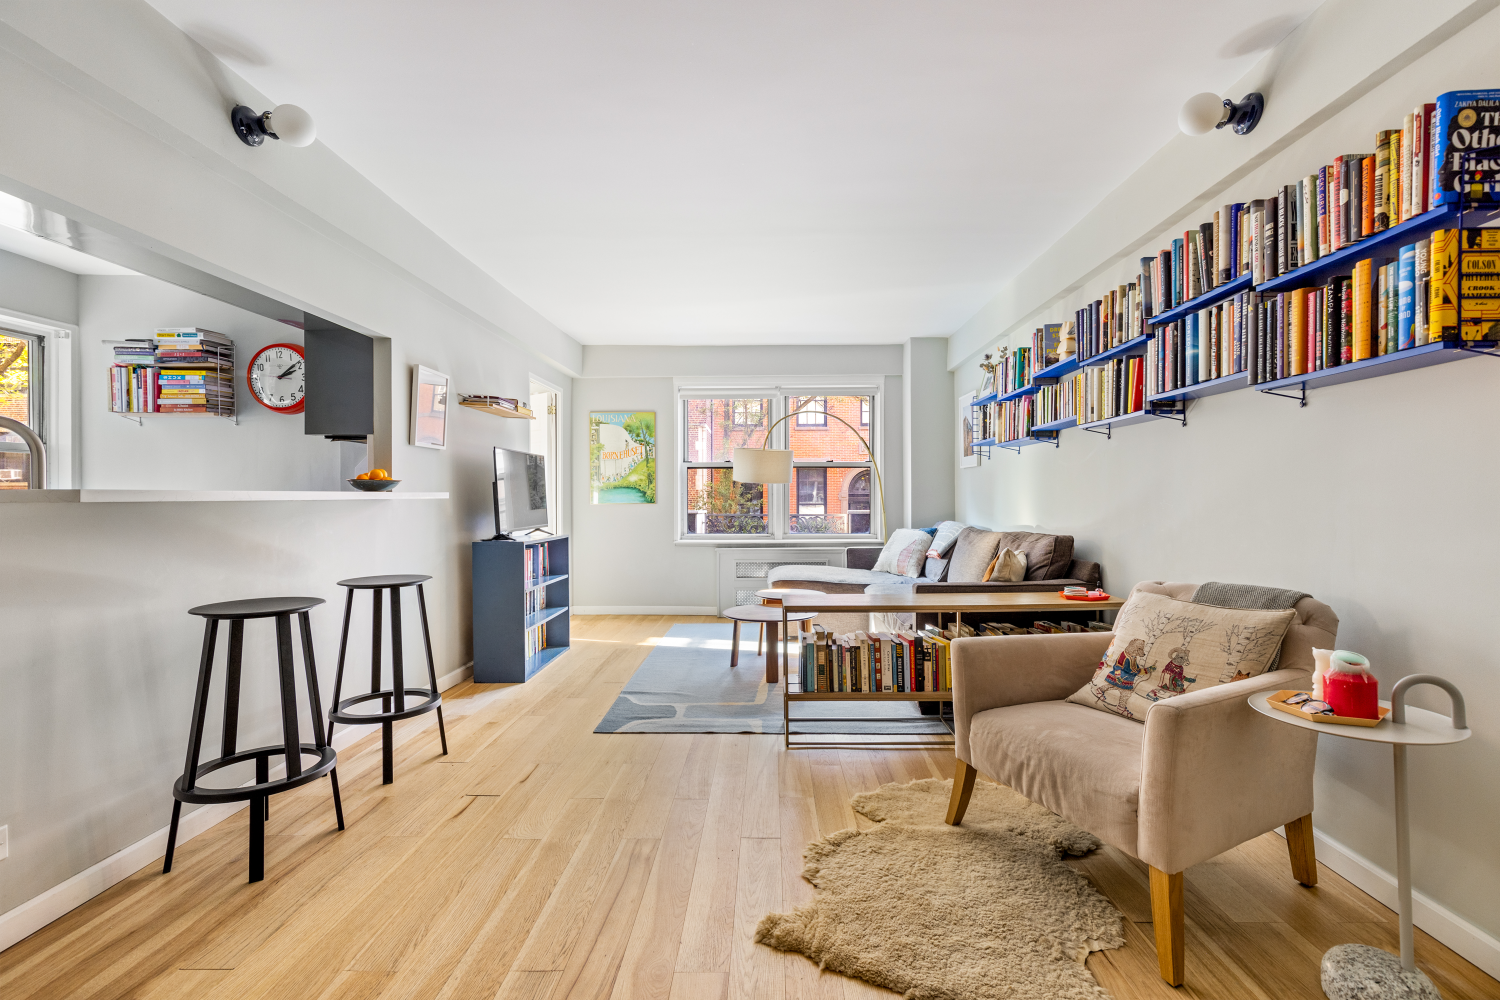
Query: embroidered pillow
(894, 558)
(1163, 648)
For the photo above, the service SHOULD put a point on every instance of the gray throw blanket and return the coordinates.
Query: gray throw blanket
(1248, 596)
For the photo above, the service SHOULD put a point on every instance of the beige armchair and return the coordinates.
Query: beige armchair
(1202, 774)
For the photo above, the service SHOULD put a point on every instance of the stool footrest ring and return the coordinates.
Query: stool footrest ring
(430, 700)
(327, 759)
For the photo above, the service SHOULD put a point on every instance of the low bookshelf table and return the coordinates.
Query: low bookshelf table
(1013, 602)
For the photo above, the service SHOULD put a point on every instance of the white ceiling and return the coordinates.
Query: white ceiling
(17, 239)
(768, 172)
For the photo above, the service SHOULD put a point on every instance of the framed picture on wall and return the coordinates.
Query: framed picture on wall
(622, 456)
(429, 408)
(968, 458)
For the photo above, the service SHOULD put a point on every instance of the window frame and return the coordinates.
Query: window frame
(54, 391)
(778, 503)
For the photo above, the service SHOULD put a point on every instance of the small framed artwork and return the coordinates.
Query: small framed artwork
(622, 456)
(968, 458)
(429, 408)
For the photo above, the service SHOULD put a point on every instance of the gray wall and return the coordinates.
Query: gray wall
(627, 555)
(37, 289)
(929, 411)
(1375, 498)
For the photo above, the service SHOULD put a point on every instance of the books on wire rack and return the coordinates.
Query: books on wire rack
(175, 371)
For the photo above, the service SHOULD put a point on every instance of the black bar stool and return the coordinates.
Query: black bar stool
(393, 705)
(292, 750)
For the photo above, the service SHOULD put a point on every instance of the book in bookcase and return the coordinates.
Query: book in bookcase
(521, 613)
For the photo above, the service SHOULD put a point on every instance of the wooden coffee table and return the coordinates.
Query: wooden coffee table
(774, 619)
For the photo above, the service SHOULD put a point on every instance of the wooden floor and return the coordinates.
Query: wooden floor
(539, 861)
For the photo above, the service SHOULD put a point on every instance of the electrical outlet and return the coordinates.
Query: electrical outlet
(4, 842)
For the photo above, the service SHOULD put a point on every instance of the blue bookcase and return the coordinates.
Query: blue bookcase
(503, 588)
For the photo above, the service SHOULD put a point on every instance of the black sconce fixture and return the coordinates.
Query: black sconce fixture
(1202, 113)
(286, 122)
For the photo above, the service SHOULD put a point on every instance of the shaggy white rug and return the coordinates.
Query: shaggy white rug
(987, 909)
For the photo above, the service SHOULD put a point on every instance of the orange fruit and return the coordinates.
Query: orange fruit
(363, 475)
(379, 474)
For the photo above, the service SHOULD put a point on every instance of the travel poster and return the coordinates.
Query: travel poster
(622, 456)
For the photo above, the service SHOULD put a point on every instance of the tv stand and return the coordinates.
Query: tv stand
(521, 619)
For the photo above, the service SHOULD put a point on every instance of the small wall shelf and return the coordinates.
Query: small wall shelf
(1056, 425)
(1025, 390)
(1343, 261)
(1212, 297)
(499, 411)
(1225, 383)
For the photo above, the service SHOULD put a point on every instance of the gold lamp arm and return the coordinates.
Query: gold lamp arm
(879, 482)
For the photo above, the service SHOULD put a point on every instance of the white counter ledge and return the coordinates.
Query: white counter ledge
(202, 496)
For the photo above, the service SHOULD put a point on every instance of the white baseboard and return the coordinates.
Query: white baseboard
(1473, 943)
(39, 911)
(644, 609)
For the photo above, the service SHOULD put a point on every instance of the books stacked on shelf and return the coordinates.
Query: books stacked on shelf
(536, 600)
(190, 346)
(1203, 346)
(536, 640)
(1013, 419)
(1056, 402)
(1114, 319)
(1046, 345)
(536, 559)
(176, 371)
(1111, 390)
(132, 388)
(1014, 369)
(1041, 628)
(877, 662)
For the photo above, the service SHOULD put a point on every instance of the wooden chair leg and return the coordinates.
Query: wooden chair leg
(1299, 844)
(963, 789)
(1166, 921)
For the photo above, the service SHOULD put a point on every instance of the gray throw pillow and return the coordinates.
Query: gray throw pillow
(972, 554)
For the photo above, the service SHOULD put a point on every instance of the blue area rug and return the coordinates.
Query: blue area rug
(685, 685)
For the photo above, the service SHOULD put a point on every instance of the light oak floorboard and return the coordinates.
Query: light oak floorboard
(542, 861)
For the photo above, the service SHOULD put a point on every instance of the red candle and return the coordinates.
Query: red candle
(1352, 695)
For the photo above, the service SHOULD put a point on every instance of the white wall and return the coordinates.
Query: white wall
(1375, 498)
(626, 556)
(928, 409)
(115, 119)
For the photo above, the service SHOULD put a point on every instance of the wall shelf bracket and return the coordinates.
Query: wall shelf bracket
(1176, 411)
(138, 421)
(1301, 396)
(1105, 432)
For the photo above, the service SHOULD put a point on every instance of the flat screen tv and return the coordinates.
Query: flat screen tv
(520, 491)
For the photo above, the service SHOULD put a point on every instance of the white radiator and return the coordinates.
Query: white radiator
(743, 571)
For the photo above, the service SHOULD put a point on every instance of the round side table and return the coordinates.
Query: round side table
(770, 617)
(1359, 970)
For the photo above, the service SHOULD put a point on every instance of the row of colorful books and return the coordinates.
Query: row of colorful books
(1102, 392)
(536, 560)
(1116, 318)
(177, 370)
(536, 640)
(1386, 305)
(536, 600)
(874, 662)
(1413, 169)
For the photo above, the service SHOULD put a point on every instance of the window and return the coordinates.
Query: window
(811, 412)
(829, 492)
(20, 398)
(747, 413)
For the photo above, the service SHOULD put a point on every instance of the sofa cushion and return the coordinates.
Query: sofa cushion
(856, 578)
(944, 535)
(972, 554)
(1164, 647)
(1085, 766)
(1048, 557)
(905, 553)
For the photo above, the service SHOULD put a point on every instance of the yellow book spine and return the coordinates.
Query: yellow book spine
(1362, 282)
(1297, 332)
(1442, 300)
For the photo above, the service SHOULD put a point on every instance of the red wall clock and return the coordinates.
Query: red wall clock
(277, 376)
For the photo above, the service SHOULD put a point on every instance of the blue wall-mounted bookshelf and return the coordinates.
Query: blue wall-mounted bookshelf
(1225, 383)
(1056, 425)
(1385, 364)
(1384, 243)
(1128, 349)
(1213, 297)
(1025, 390)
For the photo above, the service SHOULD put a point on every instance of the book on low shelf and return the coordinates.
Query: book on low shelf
(903, 662)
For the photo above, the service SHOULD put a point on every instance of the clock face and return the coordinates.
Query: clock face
(278, 377)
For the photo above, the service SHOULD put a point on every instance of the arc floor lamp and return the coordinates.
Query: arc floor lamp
(773, 466)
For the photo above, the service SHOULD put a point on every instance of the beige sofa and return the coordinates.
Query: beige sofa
(1204, 773)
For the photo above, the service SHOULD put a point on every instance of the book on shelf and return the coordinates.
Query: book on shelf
(900, 662)
(1111, 390)
(536, 640)
(536, 562)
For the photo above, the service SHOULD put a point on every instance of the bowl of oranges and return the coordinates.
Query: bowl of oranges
(374, 481)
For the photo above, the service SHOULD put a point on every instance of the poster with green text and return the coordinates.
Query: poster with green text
(622, 457)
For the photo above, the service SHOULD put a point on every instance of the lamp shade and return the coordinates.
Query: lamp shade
(291, 125)
(1201, 114)
(762, 465)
